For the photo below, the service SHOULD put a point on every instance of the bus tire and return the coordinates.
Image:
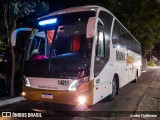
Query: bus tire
(114, 89)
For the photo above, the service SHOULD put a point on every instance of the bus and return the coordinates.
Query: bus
(78, 56)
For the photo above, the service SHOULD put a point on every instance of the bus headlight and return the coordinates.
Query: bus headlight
(82, 100)
(76, 83)
(26, 81)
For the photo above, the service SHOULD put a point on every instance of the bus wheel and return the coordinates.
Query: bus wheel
(136, 77)
(114, 89)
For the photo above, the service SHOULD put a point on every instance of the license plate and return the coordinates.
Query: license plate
(47, 96)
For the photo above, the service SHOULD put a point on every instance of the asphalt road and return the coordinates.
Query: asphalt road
(134, 97)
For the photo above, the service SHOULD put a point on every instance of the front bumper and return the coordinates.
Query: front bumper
(62, 97)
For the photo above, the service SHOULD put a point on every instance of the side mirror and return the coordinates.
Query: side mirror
(90, 27)
(15, 32)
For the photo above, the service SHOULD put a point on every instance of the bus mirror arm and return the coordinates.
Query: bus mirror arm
(100, 23)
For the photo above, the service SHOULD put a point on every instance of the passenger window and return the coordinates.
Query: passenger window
(106, 20)
(100, 52)
(116, 38)
(103, 41)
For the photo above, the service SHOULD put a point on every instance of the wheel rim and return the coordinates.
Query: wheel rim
(114, 88)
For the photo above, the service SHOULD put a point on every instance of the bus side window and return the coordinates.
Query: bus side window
(116, 38)
(103, 41)
(100, 51)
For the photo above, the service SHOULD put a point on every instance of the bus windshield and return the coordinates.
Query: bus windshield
(72, 38)
(65, 46)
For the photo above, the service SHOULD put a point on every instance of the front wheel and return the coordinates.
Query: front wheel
(114, 89)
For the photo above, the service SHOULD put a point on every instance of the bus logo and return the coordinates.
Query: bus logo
(6, 114)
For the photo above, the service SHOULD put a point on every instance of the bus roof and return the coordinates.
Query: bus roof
(73, 9)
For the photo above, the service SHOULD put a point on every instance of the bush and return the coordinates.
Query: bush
(151, 64)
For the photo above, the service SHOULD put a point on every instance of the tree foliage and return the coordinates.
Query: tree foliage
(142, 20)
(11, 11)
(26, 7)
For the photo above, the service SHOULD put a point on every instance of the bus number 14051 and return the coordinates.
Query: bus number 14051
(63, 82)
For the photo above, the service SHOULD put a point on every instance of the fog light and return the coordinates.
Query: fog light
(82, 100)
(23, 93)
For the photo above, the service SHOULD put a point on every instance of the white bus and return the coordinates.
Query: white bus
(79, 55)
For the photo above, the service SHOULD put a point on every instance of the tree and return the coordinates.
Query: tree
(11, 11)
(3, 43)
(141, 18)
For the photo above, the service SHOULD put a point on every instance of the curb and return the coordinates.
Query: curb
(11, 100)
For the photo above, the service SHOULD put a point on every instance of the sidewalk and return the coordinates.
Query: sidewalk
(151, 99)
(10, 100)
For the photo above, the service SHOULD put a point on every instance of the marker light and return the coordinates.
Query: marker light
(47, 22)
(62, 12)
(82, 100)
(92, 9)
